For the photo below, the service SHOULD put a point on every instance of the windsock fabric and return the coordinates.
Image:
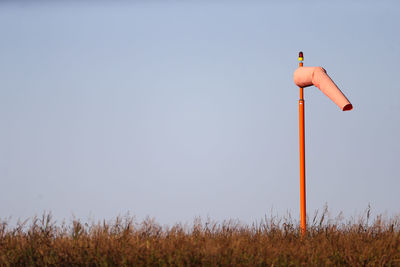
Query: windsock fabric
(307, 76)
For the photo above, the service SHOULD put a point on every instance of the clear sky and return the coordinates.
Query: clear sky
(177, 109)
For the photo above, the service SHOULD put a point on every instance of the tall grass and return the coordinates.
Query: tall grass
(270, 242)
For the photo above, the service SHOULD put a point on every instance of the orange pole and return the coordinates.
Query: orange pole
(302, 158)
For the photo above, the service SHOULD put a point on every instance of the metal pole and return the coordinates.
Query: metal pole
(302, 157)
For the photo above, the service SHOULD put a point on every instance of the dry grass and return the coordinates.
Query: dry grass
(272, 242)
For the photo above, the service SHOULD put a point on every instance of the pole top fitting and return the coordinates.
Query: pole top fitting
(301, 56)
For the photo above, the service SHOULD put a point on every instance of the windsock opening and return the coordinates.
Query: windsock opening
(348, 107)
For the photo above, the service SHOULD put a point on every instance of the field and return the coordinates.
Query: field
(270, 242)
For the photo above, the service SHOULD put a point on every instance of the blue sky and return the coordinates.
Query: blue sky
(179, 109)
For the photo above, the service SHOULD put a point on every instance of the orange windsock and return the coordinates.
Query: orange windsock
(307, 76)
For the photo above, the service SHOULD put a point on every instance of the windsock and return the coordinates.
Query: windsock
(307, 76)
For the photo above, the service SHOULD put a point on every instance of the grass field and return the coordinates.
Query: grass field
(270, 242)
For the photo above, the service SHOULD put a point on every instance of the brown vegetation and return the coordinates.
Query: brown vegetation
(271, 242)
